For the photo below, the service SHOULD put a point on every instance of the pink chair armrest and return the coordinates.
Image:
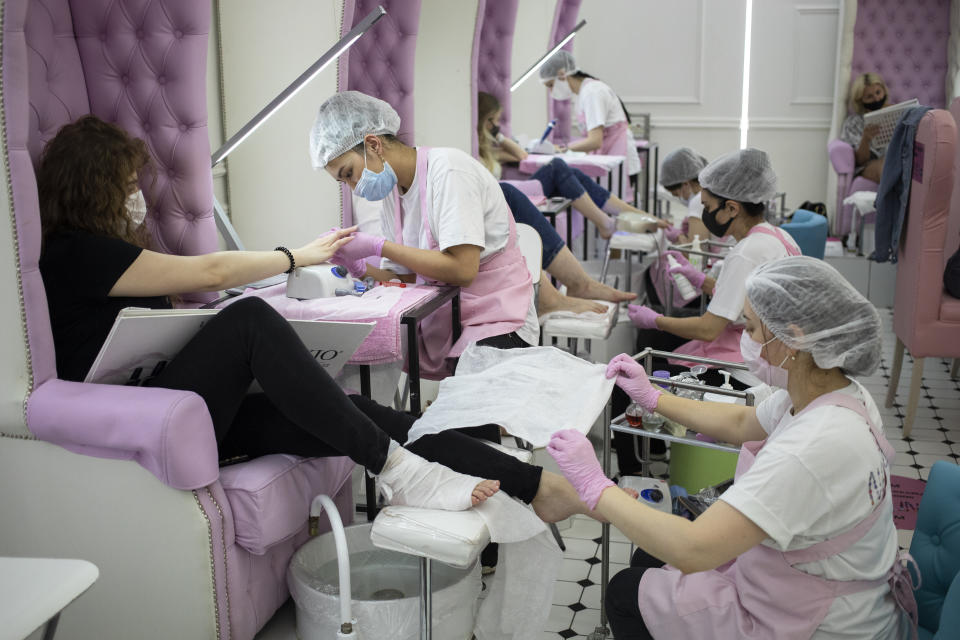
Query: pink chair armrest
(841, 156)
(168, 432)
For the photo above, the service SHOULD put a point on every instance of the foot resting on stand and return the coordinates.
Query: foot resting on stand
(408, 479)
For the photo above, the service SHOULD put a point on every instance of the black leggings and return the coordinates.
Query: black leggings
(302, 411)
(622, 601)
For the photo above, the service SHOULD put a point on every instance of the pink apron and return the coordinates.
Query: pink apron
(615, 143)
(727, 345)
(495, 303)
(760, 594)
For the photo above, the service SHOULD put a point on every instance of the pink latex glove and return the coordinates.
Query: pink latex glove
(578, 463)
(363, 245)
(357, 268)
(632, 378)
(690, 272)
(643, 317)
(672, 233)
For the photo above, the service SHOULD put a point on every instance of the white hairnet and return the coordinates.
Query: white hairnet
(560, 61)
(681, 165)
(809, 306)
(745, 176)
(342, 122)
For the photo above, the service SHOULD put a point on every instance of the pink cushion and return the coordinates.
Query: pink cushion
(270, 496)
(950, 309)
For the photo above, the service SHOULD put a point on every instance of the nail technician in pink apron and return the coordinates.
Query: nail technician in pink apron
(734, 188)
(443, 219)
(803, 544)
(600, 113)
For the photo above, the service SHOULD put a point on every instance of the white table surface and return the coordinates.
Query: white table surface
(33, 590)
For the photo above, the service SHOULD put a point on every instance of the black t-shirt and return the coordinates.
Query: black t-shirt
(79, 269)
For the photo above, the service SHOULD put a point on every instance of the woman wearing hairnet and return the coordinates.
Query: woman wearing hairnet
(678, 175)
(803, 543)
(444, 220)
(734, 188)
(602, 117)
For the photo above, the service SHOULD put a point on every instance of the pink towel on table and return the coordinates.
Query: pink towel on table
(381, 346)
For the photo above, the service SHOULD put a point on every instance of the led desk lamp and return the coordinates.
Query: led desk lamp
(547, 55)
(224, 226)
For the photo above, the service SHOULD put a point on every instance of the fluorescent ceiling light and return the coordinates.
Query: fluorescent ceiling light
(547, 55)
(330, 56)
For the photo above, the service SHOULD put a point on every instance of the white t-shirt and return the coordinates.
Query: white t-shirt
(466, 207)
(817, 476)
(731, 289)
(601, 108)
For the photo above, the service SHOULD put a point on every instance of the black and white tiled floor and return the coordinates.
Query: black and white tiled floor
(575, 612)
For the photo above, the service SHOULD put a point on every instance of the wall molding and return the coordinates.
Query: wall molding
(799, 12)
(698, 70)
(693, 122)
(733, 122)
(790, 123)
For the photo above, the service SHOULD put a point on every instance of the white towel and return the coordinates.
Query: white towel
(531, 392)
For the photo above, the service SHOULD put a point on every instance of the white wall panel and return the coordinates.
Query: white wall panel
(530, 41)
(275, 195)
(793, 62)
(443, 96)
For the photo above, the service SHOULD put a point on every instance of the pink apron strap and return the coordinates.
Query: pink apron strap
(778, 234)
(899, 577)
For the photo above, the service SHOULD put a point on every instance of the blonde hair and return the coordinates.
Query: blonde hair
(860, 83)
(487, 104)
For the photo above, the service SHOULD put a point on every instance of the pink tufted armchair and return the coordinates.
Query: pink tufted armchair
(128, 477)
(564, 19)
(926, 320)
(906, 43)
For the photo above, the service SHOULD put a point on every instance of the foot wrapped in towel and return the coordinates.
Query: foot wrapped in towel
(408, 479)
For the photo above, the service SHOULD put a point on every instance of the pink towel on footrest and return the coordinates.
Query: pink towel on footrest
(381, 346)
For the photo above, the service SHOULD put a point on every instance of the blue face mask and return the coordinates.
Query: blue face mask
(375, 186)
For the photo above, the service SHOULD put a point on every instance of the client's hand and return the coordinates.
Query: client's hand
(643, 317)
(578, 463)
(323, 248)
(632, 378)
(690, 272)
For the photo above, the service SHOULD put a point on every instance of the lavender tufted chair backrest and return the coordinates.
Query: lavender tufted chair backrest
(138, 63)
(381, 63)
(906, 43)
(493, 59)
(564, 20)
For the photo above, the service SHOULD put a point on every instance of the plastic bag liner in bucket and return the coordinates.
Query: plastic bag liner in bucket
(386, 591)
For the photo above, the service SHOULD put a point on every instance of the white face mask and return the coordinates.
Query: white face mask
(751, 350)
(561, 90)
(137, 207)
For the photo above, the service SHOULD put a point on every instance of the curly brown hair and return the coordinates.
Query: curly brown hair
(86, 173)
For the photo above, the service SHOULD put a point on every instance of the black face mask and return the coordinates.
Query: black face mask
(495, 130)
(873, 106)
(710, 221)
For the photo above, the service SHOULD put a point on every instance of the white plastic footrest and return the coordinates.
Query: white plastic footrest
(584, 325)
(453, 537)
(645, 242)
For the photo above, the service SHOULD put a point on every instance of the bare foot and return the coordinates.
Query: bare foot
(556, 499)
(484, 490)
(572, 304)
(592, 290)
(606, 230)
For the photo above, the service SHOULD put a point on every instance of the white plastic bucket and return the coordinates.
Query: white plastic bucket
(386, 591)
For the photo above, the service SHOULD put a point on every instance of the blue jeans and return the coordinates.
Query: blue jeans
(559, 179)
(524, 211)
